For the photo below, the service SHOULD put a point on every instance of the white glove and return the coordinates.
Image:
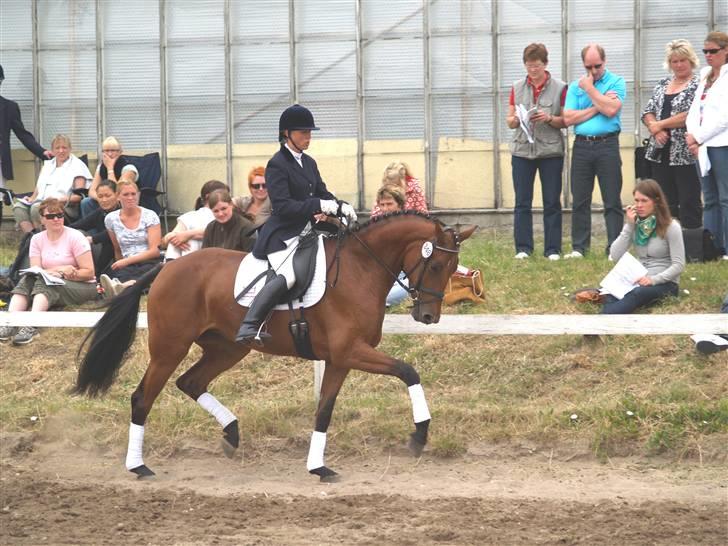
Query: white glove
(348, 212)
(329, 207)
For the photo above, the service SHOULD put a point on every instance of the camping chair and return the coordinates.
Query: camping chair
(150, 172)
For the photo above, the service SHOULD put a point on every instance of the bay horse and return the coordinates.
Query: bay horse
(191, 300)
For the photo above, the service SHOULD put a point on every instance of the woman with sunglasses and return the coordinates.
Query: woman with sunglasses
(111, 166)
(231, 229)
(707, 136)
(62, 253)
(257, 204)
(136, 234)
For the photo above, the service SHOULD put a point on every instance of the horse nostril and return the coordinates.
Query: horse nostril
(427, 318)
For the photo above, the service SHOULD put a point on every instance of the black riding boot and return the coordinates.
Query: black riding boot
(263, 302)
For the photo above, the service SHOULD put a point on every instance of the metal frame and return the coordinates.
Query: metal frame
(229, 130)
(163, 106)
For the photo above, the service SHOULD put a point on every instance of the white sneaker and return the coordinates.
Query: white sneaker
(554, 257)
(573, 254)
(521, 256)
(725, 257)
(107, 285)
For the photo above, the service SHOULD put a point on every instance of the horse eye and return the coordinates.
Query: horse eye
(436, 267)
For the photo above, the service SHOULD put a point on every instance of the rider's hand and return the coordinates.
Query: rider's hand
(329, 206)
(348, 212)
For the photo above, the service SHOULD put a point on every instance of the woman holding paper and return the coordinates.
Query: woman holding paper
(61, 272)
(658, 245)
(535, 112)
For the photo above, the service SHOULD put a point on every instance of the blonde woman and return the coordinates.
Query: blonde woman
(135, 233)
(111, 166)
(58, 177)
(665, 115)
(398, 173)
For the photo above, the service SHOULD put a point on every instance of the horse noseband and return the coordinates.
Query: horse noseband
(428, 251)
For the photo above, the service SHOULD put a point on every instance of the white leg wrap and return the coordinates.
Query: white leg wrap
(419, 404)
(136, 443)
(223, 415)
(316, 451)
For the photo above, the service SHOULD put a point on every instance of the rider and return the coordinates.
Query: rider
(298, 196)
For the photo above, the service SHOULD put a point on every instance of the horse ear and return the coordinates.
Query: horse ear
(467, 231)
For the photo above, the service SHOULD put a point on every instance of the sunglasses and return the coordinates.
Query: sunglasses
(258, 186)
(53, 216)
(712, 51)
(595, 66)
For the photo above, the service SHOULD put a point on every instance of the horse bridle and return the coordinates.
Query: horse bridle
(424, 262)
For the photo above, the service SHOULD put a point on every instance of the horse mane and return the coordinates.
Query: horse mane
(390, 215)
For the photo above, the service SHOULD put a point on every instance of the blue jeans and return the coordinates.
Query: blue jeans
(524, 174)
(642, 296)
(88, 205)
(397, 294)
(715, 195)
(601, 159)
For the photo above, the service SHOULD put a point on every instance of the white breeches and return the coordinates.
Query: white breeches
(282, 260)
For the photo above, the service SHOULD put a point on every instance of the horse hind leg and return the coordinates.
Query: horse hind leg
(218, 356)
(330, 386)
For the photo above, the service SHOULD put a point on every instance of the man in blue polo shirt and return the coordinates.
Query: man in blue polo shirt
(593, 106)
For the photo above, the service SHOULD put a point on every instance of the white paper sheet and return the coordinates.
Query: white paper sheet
(623, 276)
(524, 117)
(50, 280)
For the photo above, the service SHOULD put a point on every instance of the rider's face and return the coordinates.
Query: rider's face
(301, 139)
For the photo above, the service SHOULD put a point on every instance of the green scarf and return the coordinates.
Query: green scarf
(644, 229)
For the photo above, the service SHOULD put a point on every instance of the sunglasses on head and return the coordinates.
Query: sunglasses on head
(258, 186)
(53, 216)
(712, 51)
(595, 66)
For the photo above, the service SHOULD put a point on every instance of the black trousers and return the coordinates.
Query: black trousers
(681, 186)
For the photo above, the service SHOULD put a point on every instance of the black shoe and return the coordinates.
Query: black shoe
(262, 304)
(709, 347)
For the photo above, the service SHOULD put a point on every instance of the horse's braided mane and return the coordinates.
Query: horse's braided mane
(390, 215)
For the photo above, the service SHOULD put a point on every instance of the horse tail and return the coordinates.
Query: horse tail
(111, 338)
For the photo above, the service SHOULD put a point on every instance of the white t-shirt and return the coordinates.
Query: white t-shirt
(58, 181)
(195, 219)
(132, 241)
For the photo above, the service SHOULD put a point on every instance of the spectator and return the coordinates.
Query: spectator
(593, 105)
(10, 119)
(111, 167)
(187, 235)
(710, 343)
(258, 203)
(58, 177)
(658, 243)
(399, 174)
(707, 136)
(95, 229)
(544, 152)
(664, 115)
(391, 199)
(230, 229)
(135, 233)
(61, 252)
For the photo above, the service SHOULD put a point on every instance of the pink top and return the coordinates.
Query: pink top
(64, 251)
(414, 198)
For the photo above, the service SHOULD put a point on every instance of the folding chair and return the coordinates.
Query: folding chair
(150, 172)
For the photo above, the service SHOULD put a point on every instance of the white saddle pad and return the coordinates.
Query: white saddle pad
(251, 267)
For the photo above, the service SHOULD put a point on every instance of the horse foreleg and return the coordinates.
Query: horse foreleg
(333, 379)
(368, 359)
(218, 355)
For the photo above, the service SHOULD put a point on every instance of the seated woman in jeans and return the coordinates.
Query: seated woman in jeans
(658, 245)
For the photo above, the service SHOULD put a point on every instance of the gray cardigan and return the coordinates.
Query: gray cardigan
(663, 258)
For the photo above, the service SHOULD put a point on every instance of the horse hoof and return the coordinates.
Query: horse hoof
(228, 449)
(325, 474)
(142, 472)
(415, 446)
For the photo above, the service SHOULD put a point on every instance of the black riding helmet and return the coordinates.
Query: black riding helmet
(295, 118)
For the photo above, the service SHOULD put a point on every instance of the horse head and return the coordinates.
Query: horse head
(429, 266)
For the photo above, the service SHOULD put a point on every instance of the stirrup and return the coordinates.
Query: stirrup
(259, 338)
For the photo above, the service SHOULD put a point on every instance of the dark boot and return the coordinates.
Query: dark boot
(263, 302)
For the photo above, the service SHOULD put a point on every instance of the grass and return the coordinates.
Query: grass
(623, 395)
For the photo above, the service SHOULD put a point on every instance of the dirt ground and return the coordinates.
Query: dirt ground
(58, 491)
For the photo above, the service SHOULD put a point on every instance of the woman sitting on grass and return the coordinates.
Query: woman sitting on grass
(658, 245)
(62, 253)
(135, 233)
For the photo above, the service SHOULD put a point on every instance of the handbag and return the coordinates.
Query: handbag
(465, 286)
(642, 165)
